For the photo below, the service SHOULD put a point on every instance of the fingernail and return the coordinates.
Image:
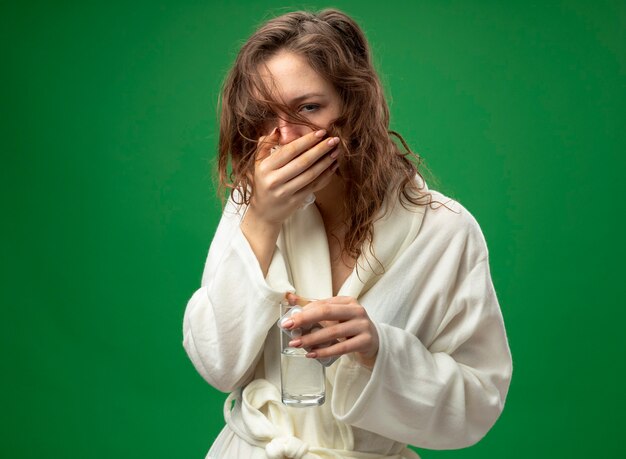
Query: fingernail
(334, 154)
(295, 343)
(311, 355)
(287, 323)
(320, 133)
(334, 141)
(274, 131)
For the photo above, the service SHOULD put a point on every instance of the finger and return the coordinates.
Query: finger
(296, 147)
(319, 183)
(311, 174)
(356, 344)
(331, 335)
(340, 300)
(321, 311)
(291, 298)
(265, 144)
(309, 158)
(300, 300)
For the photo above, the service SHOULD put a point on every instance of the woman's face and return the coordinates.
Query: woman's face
(296, 84)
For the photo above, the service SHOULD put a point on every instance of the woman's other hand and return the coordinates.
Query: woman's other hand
(283, 179)
(344, 320)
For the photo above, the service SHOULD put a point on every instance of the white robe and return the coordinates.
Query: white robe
(443, 366)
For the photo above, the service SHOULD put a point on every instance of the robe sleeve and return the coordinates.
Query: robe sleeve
(227, 319)
(444, 396)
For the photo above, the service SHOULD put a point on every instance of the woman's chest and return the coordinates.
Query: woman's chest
(341, 265)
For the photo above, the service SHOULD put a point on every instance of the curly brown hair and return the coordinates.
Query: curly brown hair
(372, 165)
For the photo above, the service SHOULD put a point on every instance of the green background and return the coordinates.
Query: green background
(108, 137)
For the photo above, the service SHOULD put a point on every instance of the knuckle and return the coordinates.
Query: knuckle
(262, 168)
(344, 347)
(271, 183)
(332, 333)
(364, 324)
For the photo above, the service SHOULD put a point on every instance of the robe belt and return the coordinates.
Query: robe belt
(274, 432)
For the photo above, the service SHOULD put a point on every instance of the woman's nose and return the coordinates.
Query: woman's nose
(289, 131)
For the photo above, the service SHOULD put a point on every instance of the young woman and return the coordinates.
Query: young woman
(401, 270)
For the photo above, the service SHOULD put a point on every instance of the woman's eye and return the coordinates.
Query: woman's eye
(308, 108)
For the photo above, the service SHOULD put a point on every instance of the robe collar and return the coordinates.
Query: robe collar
(308, 254)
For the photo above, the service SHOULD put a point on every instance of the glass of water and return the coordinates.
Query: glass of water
(302, 379)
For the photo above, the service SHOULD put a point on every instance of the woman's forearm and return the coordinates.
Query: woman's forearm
(262, 236)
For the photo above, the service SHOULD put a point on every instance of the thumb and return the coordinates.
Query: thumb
(266, 143)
